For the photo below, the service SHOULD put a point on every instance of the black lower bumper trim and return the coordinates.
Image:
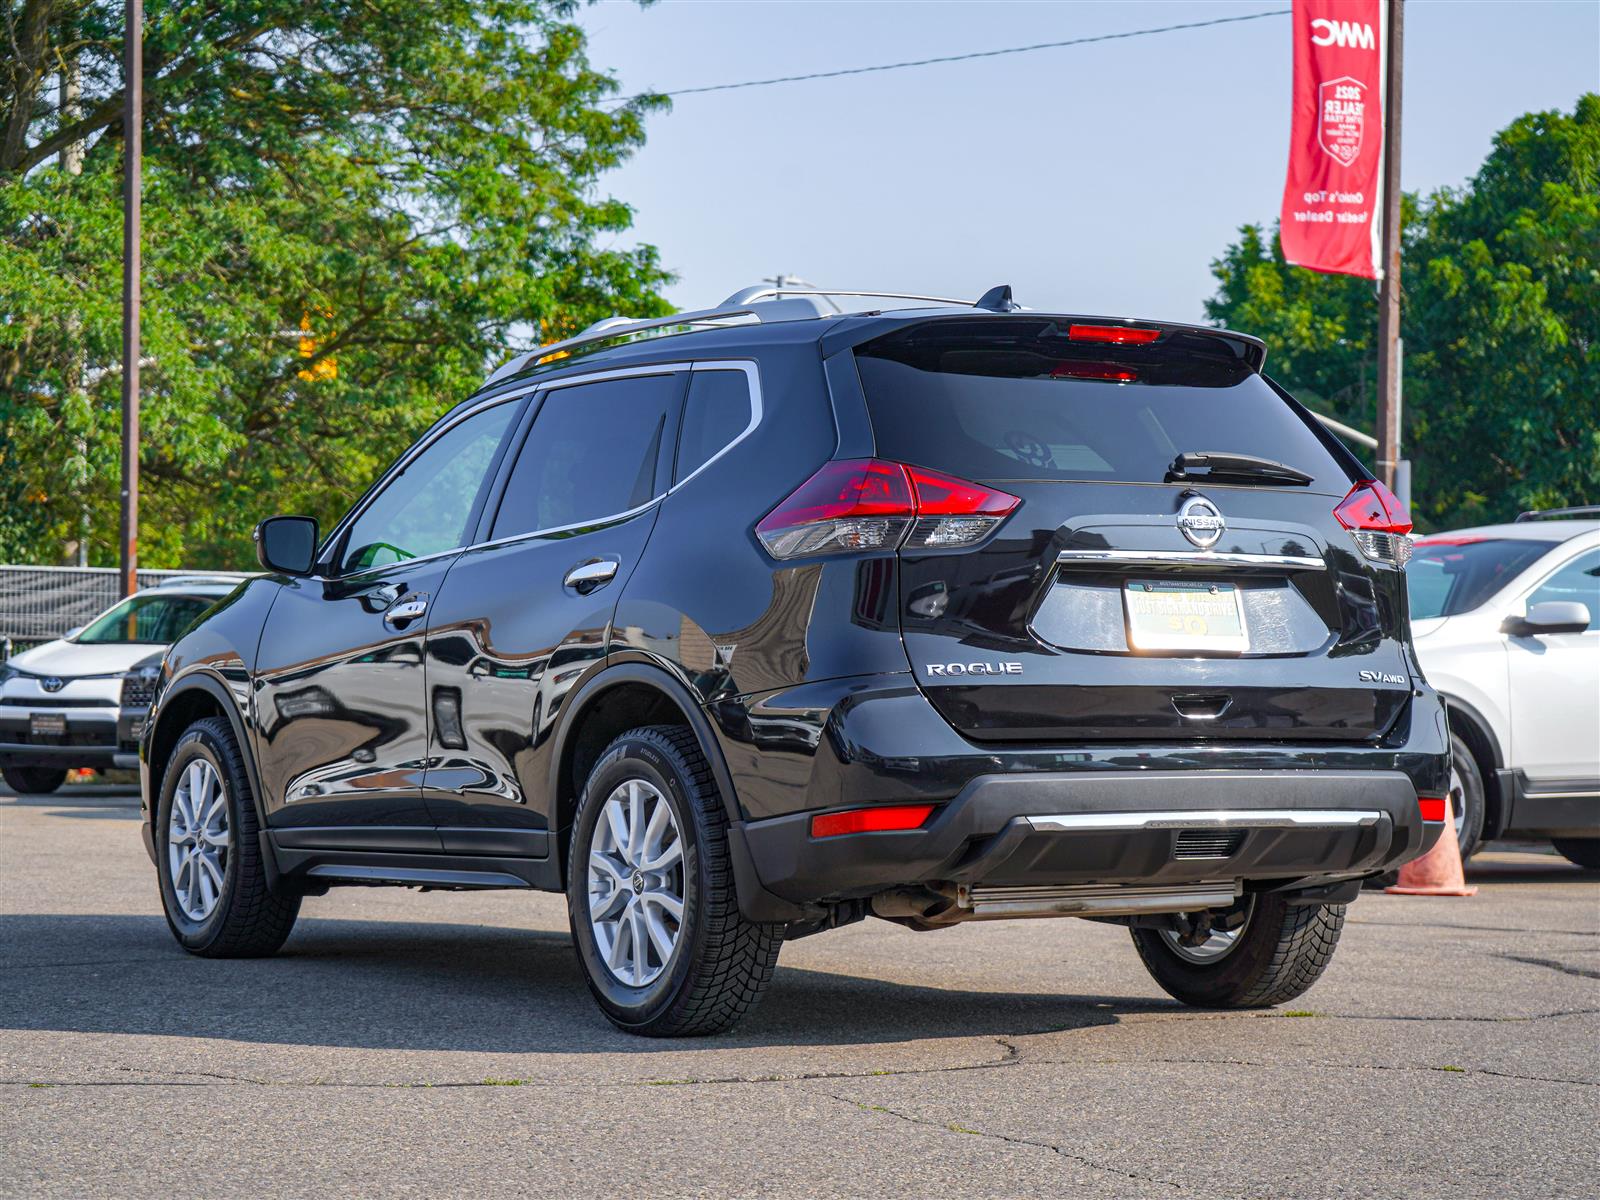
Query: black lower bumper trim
(1111, 827)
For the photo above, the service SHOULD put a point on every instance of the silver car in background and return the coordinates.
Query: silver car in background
(80, 701)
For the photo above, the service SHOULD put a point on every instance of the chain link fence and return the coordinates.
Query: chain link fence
(41, 603)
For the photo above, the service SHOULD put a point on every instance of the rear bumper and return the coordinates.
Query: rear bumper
(1157, 828)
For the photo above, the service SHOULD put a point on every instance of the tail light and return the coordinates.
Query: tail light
(865, 504)
(1377, 521)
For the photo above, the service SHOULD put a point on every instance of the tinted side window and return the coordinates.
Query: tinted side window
(1578, 581)
(716, 411)
(424, 510)
(594, 451)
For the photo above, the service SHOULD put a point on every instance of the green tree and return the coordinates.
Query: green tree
(351, 208)
(1500, 311)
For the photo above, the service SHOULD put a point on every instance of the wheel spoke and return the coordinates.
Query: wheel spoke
(617, 819)
(635, 821)
(670, 857)
(655, 829)
(638, 939)
(620, 932)
(659, 934)
(666, 902)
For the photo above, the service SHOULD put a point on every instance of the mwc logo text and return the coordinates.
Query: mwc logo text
(1342, 33)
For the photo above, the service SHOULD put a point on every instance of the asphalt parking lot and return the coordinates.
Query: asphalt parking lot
(444, 1044)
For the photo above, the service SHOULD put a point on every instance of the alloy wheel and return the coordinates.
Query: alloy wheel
(1215, 947)
(198, 840)
(636, 883)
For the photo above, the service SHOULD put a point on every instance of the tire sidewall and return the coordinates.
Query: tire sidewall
(1465, 768)
(637, 758)
(197, 742)
(16, 777)
(1215, 984)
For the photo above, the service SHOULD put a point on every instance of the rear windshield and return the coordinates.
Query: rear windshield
(1456, 575)
(1017, 399)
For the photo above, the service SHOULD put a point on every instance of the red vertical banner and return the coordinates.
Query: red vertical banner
(1332, 198)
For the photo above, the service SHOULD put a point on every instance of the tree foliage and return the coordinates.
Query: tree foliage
(351, 208)
(1500, 312)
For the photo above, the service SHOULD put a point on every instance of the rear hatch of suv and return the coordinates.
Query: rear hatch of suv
(1189, 556)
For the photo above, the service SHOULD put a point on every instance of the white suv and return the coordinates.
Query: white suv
(1506, 620)
(80, 701)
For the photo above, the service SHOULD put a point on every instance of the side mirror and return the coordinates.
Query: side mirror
(1549, 616)
(287, 544)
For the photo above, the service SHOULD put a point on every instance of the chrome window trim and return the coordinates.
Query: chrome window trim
(753, 388)
(1186, 558)
(1260, 818)
(752, 380)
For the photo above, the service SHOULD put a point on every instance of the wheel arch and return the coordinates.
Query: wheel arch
(618, 698)
(189, 699)
(1470, 725)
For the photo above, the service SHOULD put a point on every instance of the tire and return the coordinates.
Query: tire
(1466, 797)
(246, 919)
(37, 780)
(718, 963)
(1279, 953)
(1580, 852)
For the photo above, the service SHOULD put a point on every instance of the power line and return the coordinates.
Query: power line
(951, 58)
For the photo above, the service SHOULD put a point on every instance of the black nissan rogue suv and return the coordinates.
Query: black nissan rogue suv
(743, 624)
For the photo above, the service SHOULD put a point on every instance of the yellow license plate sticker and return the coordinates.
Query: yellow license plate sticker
(1167, 615)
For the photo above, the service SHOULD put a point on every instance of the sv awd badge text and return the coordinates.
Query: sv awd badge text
(978, 668)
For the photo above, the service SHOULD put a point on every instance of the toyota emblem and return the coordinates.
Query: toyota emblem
(53, 684)
(1200, 522)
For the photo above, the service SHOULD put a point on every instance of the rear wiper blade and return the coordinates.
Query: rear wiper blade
(1219, 464)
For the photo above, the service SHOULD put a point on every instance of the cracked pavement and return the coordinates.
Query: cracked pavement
(445, 1044)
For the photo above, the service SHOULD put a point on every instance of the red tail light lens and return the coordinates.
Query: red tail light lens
(1370, 505)
(1112, 335)
(862, 504)
(1433, 808)
(870, 820)
(1378, 522)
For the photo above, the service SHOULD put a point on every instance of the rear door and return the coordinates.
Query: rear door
(522, 617)
(1123, 599)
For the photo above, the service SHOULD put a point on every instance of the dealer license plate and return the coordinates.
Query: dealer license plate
(47, 725)
(1169, 615)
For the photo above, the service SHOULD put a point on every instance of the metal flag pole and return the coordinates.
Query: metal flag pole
(133, 156)
(1389, 355)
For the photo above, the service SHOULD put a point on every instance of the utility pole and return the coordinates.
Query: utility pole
(133, 166)
(72, 164)
(1390, 360)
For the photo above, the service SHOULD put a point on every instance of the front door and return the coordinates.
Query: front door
(339, 694)
(521, 619)
(1555, 687)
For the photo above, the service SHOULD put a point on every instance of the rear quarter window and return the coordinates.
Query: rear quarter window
(1017, 399)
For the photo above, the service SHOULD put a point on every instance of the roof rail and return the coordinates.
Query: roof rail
(1559, 514)
(763, 304)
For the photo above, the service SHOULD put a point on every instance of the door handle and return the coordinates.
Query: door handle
(405, 611)
(591, 576)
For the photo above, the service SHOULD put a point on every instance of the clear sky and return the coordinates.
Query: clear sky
(1100, 178)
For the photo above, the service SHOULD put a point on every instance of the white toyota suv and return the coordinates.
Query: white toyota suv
(80, 701)
(1506, 620)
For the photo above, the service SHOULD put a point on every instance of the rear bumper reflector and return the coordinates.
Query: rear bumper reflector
(1433, 808)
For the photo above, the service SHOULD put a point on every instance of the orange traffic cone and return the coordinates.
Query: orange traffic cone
(1438, 872)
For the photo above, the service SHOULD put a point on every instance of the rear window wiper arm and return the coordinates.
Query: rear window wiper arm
(1220, 464)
